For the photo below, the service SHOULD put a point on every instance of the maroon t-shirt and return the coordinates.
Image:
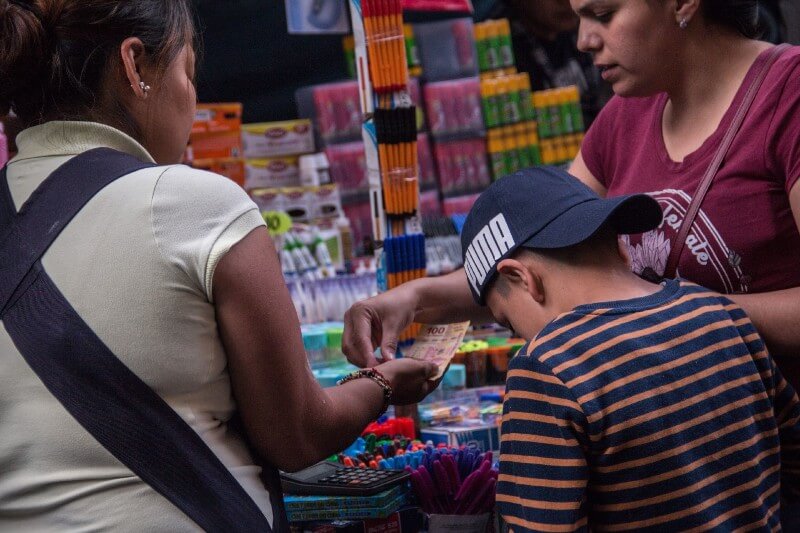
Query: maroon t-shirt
(744, 238)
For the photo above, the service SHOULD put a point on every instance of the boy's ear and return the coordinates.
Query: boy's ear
(527, 276)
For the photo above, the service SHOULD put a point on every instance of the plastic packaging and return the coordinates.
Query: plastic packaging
(454, 108)
(334, 109)
(458, 6)
(463, 166)
(447, 49)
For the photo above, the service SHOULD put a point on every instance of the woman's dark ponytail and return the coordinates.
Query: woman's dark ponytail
(739, 15)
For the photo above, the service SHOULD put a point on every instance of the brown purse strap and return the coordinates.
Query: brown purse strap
(694, 207)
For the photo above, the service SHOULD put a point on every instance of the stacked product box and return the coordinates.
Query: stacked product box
(452, 95)
(215, 142)
(271, 152)
(560, 121)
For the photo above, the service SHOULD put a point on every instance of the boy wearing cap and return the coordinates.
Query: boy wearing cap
(634, 406)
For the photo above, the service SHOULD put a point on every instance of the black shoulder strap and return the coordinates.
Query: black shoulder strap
(51, 207)
(7, 209)
(113, 404)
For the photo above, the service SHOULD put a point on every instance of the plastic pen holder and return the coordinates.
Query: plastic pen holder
(438, 523)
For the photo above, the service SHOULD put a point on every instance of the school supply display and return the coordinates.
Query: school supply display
(302, 204)
(277, 139)
(271, 173)
(316, 16)
(215, 141)
(507, 100)
(386, 453)
(494, 46)
(512, 148)
(454, 108)
(309, 508)
(334, 110)
(318, 300)
(455, 481)
(412, 52)
(447, 49)
(463, 167)
(385, 38)
(442, 245)
(399, 159)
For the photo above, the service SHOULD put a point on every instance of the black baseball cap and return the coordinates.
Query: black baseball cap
(542, 208)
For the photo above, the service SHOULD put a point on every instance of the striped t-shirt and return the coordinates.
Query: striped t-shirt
(662, 413)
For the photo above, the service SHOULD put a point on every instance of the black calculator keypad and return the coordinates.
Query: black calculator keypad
(358, 476)
(336, 480)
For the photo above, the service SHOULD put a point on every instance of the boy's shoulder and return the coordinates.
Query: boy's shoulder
(591, 327)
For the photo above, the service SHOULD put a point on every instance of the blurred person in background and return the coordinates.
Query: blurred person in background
(544, 34)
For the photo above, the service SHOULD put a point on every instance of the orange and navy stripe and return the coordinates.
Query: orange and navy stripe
(659, 413)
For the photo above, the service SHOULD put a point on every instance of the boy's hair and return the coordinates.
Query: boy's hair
(596, 249)
(599, 249)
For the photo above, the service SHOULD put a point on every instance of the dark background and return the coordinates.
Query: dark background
(249, 57)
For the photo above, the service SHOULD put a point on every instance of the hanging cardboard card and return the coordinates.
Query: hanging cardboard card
(317, 16)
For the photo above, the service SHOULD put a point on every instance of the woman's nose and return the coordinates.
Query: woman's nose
(588, 39)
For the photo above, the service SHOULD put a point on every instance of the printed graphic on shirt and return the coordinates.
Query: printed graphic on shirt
(704, 245)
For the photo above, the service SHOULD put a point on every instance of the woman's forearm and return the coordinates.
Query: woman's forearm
(340, 413)
(447, 299)
(775, 315)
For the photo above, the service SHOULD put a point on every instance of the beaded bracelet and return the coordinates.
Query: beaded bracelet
(375, 375)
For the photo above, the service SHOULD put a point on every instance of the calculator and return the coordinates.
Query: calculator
(331, 479)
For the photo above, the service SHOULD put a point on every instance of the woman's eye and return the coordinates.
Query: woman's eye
(604, 17)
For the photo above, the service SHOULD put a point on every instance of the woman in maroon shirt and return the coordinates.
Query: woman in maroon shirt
(680, 70)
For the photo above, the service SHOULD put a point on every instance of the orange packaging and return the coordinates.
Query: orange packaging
(217, 118)
(222, 145)
(216, 132)
(230, 167)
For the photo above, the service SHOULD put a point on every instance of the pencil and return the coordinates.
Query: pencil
(369, 28)
(402, 61)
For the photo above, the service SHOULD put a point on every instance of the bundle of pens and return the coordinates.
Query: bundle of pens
(386, 46)
(442, 245)
(397, 149)
(405, 261)
(455, 481)
(405, 258)
(383, 454)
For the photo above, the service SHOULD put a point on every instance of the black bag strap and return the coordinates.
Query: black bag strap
(111, 402)
(51, 207)
(708, 178)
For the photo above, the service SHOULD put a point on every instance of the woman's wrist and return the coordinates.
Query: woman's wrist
(377, 377)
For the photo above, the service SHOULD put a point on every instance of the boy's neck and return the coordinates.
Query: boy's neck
(584, 286)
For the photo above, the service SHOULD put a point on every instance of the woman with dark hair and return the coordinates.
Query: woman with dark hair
(155, 312)
(678, 91)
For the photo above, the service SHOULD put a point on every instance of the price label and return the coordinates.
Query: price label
(278, 222)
